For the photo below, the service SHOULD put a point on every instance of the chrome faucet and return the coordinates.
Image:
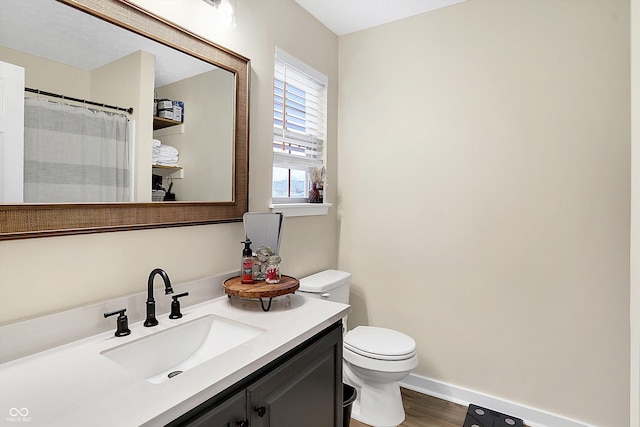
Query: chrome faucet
(151, 303)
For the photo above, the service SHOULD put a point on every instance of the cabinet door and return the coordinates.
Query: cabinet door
(304, 391)
(230, 413)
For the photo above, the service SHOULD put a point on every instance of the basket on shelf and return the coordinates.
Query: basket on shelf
(157, 195)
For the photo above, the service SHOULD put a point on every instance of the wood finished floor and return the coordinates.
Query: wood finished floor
(426, 411)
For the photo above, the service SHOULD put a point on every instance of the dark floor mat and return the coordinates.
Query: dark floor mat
(483, 417)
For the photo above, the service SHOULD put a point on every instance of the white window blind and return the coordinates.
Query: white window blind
(299, 114)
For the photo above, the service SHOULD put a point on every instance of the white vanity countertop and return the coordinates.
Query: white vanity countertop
(74, 385)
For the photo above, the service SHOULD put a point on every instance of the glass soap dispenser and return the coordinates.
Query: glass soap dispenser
(246, 268)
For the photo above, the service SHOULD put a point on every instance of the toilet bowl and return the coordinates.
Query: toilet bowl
(375, 359)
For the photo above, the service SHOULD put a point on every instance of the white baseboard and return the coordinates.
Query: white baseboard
(532, 417)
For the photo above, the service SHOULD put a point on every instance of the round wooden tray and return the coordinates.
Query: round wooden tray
(234, 287)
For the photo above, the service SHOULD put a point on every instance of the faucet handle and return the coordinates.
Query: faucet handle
(123, 323)
(175, 306)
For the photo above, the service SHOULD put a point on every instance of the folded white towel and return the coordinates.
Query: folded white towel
(167, 149)
(164, 155)
(167, 159)
(167, 163)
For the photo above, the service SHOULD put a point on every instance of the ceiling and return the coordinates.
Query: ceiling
(347, 16)
(55, 31)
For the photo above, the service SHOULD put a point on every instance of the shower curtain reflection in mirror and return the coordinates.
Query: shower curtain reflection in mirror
(74, 154)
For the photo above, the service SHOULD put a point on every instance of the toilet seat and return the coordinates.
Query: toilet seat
(380, 343)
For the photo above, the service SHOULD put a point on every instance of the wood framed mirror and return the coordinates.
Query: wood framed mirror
(30, 220)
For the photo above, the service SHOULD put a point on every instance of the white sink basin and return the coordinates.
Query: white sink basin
(160, 356)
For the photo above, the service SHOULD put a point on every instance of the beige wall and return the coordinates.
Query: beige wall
(484, 196)
(50, 274)
(50, 76)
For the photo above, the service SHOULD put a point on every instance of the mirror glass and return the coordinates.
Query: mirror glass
(100, 40)
(264, 229)
(66, 51)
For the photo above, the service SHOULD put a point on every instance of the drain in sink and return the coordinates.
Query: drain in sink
(174, 373)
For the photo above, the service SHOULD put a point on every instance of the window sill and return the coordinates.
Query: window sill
(300, 209)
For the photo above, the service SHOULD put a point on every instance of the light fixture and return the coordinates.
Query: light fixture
(225, 11)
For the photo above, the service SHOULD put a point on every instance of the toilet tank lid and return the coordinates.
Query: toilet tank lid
(324, 281)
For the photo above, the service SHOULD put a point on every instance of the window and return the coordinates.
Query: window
(299, 127)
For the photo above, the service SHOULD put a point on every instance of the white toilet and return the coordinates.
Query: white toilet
(374, 359)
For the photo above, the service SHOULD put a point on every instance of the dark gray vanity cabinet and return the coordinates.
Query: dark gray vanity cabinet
(230, 413)
(301, 388)
(300, 392)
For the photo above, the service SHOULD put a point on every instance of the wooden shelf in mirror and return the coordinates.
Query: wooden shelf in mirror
(171, 168)
(161, 123)
(163, 170)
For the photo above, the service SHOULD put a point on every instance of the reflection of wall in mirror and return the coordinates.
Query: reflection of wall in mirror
(117, 83)
(126, 82)
(206, 146)
(49, 75)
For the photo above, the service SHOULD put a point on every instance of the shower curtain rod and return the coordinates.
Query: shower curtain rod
(84, 101)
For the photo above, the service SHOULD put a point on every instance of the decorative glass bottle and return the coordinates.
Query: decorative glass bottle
(262, 255)
(313, 193)
(273, 269)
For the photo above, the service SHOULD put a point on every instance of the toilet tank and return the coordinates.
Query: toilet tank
(331, 285)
